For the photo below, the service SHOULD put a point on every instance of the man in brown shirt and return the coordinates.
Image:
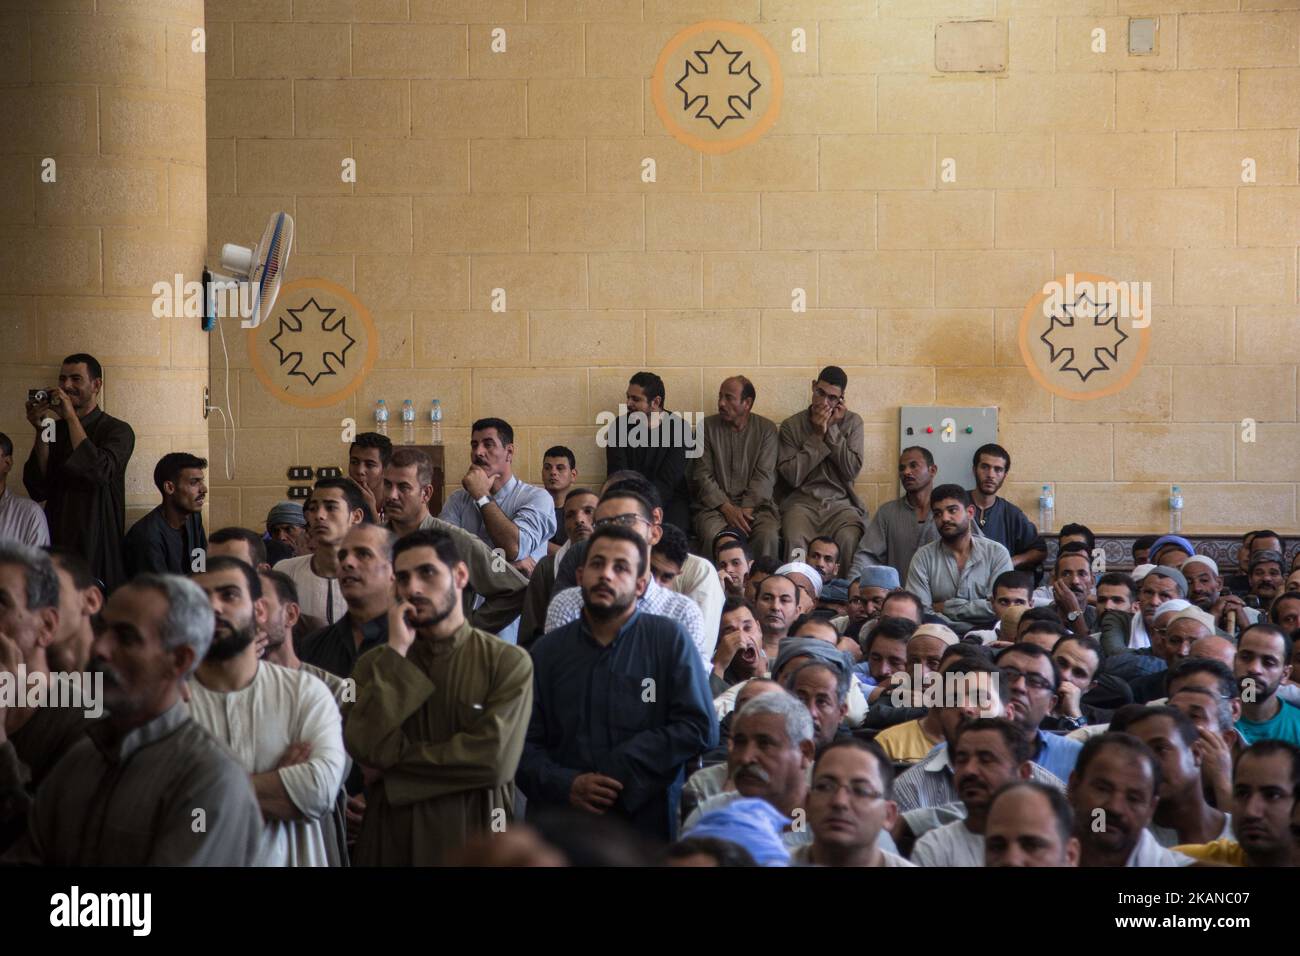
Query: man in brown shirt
(819, 458)
(733, 479)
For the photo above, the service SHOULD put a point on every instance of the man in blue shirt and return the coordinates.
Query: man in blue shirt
(508, 515)
(1263, 661)
(620, 702)
(1029, 682)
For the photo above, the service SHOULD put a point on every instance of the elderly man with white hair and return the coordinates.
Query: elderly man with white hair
(1205, 590)
(1121, 631)
(1178, 626)
(147, 785)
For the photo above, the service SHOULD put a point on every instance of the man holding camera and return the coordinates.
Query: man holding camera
(78, 467)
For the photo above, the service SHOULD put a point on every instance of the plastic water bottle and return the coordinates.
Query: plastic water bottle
(435, 419)
(381, 417)
(408, 423)
(1046, 510)
(1175, 510)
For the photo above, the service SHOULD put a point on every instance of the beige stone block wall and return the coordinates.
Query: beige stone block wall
(522, 171)
(114, 96)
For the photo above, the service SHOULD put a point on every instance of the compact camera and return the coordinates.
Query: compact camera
(40, 396)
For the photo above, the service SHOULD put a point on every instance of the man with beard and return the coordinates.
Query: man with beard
(771, 751)
(496, 589)
(824, 557)
(133, 782)
(1113, 792)
(440, 717)
(165, 540)
(903, 525)
(1123, 631)
(1029, 684)
(1182, 814)
(954, 576)
(1030, 824)
(850, 807)
(80, 601)
(1265, 786)
(335, 505)
(1263, 662)
(740, 647)
(987, 754)
(629, 509)
(579, 516)
(998, 518)
(280, 598)
(366, 582)
(81, 475)
(1205, 590)
(282, 725)
(1266, 576)
(732, 481)
(32, 739)
(620, 699)
(819, 455)
(1071, 587)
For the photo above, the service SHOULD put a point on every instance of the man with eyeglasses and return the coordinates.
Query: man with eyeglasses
(627, 509)
(1029, 682)
(818, 459)
(1175, 631)
(850, 806)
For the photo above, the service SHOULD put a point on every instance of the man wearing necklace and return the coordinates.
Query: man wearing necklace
(998, 518)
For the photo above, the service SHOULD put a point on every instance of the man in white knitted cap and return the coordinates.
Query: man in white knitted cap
(807, 579)
(1178, 626)
(1205, 590)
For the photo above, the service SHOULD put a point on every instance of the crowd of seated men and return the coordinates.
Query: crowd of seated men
(716, 660)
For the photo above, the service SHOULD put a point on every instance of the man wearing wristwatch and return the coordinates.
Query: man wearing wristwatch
(1071, 586)
(512, 517)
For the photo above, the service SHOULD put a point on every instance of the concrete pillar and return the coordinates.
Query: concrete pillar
(105, 100)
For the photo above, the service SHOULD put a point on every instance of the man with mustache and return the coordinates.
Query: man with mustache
(733, 480)
(335, 506)
(496, 589)
(1266, 576)
(1113, 791)
(819, 455)
(998, 518)
(282, 725)
(740, 647)
(1263, 662)
(824, 690)
(954, 576)
(772, 749)
(1175, 631)
(850, 809)
(1182, 814)
(620, 702)
(988, 754)
(365, 578)
(1071, 587)
(81, 475)
(134, 781)
(1030, 824)
(902, 525)
(440, 716)
(1265, 787)
(579, 516)
(164, 540)
(777, 602)
(1029, 683)
(1205, 590)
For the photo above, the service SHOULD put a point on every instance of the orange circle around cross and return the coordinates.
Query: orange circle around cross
(329, 298)
(752, 131)
(1034, 310)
